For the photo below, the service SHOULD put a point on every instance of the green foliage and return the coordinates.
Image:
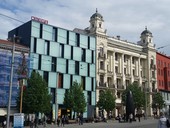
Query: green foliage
(138, 95)
(74, 98)
(36, 97)
(106, 100)
(158, 101)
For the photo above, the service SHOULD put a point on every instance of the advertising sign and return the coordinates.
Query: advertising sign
(39, 20)
(19, 120)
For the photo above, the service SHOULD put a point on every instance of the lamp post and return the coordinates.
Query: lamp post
(23, 72)
(10, 85)
(21, 86)
(145, 116)
(56, 104)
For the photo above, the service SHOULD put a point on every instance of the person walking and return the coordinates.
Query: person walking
(79, 118)
(32, 123)
(4, 124)
(162, 122)
(44, 121)
(131, 117)
(138, 115)
(120, 117)
(62, 120)
(58, 121)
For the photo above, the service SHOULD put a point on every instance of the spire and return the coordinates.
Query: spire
(145, 27)
(96, 10)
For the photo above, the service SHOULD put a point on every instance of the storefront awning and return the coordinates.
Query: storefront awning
(3, 111)
(167, 102)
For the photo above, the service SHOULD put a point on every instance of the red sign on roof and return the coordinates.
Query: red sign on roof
(39, 20)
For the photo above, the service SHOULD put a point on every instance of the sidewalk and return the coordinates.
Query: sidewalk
(110, 123)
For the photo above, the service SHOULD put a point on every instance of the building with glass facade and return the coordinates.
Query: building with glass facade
(61, 57)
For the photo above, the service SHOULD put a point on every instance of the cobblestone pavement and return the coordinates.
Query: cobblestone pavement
(149, 123)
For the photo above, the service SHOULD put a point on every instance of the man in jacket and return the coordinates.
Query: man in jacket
(162, 122)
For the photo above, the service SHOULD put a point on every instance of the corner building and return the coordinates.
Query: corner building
(120, 63)
(163, 78)
(61, 57)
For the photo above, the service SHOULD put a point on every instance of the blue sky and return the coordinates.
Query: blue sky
(126, 18)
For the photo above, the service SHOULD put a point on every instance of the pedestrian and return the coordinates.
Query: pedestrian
(32, 123)
(66, 119)
(162, 122)
(58, 121)
(144, 116)
(36, 122)
(124, 116)
(138, 117)
(81, 119)
(119, 118)
(131, 117)
(62, 120)
(4, 124)
(44, 121)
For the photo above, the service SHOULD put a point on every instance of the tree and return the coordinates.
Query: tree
(158, 101)
(106, 101)
(138, 95)
(36, 97)
(74, 98)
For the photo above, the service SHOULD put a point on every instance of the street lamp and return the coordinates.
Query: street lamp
(23, 73)
(56, 104)
(145, 116)
(11, 81)
(21, 81)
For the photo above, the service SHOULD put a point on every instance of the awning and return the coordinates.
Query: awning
(3, 111)
(167, 102)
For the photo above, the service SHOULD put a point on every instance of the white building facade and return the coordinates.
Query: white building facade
(120, 63)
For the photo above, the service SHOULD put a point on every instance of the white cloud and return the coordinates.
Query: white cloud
(125, 18)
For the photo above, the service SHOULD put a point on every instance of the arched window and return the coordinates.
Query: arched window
(100, 25)
(92, 25)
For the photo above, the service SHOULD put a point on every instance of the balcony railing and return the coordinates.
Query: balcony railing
(144, 78)
(102, 70)
(102, 84)
(153, 79)
(109, 73)
(153, 76)
(111, 85)
(127, 75)
(120, 87)
(119, 74)
(147, 89)
(154, 90)
(136, 77)
(102, 55)
(153, 66)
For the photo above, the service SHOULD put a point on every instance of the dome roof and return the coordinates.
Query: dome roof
(145, 32)
(96, 15)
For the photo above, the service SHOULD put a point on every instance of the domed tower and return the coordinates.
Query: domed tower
(96, 28)
(150, 64)
(146, 38)
(96, 24)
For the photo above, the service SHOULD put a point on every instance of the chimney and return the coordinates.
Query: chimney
(118, 37)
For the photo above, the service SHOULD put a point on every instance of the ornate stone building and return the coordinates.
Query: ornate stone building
(120, 63)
